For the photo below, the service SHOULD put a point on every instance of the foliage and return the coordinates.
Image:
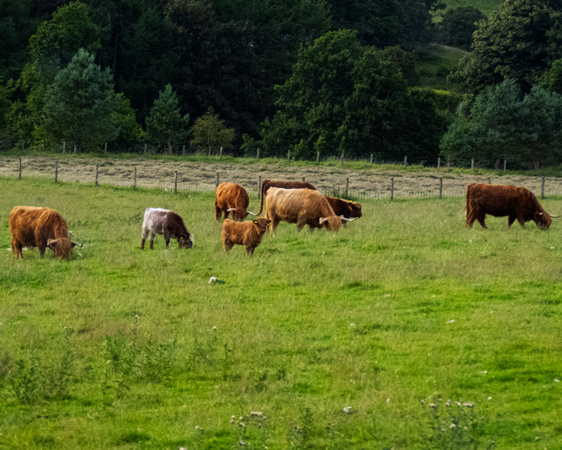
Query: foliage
(80, 105)
(344, 98)
(504, 123)
(165, 126)
(519, 42)
(458, 26)
(210, 133)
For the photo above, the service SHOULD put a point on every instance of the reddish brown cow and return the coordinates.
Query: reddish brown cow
(39, 227)
(515, 202)
(303, 207)
(266, 184)
(345, 208)
(232, 198)
(248, 234)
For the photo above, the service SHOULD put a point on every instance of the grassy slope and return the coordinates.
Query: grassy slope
(124, 339)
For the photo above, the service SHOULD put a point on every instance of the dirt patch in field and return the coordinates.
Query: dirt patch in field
(202, 176)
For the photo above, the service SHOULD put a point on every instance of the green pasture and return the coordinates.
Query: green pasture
(486, 6)
(362, 339)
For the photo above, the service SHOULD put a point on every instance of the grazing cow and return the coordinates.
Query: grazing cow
(499, 201)
(266, 184)
(231, 197)
(345, 208)
(303, 207)
(165, 222)
(248, 234)
(39, 227)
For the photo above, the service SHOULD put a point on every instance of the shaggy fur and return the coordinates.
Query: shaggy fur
(300, 206)
(165, 222)
(515, 202)
(266, 184)
(345, 208)
(39, 227)
(232, 198)
(248, 234)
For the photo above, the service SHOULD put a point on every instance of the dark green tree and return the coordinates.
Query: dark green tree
(343, 97)
(80, 105)
(165, 126)
(503, 122)
(518, 42)
(458, 26)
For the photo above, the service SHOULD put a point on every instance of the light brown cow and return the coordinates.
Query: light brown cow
(232, 198)
(39, 227)
(303, 207)
(285, 184)
(518, 203)
(248, 234)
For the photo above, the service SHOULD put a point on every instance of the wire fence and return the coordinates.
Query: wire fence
(388, 187)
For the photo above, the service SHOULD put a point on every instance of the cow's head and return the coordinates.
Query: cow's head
(186, 241)
(355, 209)
(61, 247)
(543, 220)
(261, 224)
(240, 213)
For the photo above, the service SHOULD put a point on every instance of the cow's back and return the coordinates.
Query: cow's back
(289, 204)
(24, 221)
(284, 184)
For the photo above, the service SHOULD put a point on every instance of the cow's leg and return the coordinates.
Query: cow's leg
(143, 238)
(274, 223)
(167, 239)
(481, 219)
(17, 249)
(250, 250)
(510, 221)
(152, 235)
(218, 212)
(227, 245)
(521, 221)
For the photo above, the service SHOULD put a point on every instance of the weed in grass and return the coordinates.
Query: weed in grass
(251, 430)
(24, 382)
(301, 434)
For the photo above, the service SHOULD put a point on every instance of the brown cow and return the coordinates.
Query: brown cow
(266, 184)
(497, 200)
(232, 198)
(303, 207)
(248, 234)
(39, 227)
(345, 208)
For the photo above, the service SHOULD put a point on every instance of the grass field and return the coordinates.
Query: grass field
(486, 6)
(364, 338)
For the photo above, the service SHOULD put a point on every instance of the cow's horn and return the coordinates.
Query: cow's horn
(348, 220)
(231, 209)
(554, 217)
(323, 219)
(250, 212)
(77, 244)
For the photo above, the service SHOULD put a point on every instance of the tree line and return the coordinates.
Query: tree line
(307, 76)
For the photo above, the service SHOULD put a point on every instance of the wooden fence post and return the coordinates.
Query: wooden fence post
(183, 150)
(504, 165)
(220, 153)
(259, 187)
(472, 164)
(145, 146)
(135, 181)
(341, 158)
(56, 172)
(289, 156)
(440, 188)
(75, 149)
(439, 162)
(346, 186)
(64, 146)
(489, 180)
(392, 189)
(542, 188)
(448, 160)
(19, 177)
(175, 183)
(258, 154)
(317, 156)
(371, 162)
(218, 178)
(105, 148)
(405, 161)
(303, 178)
(97, 171)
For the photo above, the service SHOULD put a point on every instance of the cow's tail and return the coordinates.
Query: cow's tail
(263, 190)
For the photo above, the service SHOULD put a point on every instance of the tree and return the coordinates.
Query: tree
(518, 42)
(165, 126)
(505, 123)
(80, 105)
(210, 133)
(459, 24)
(343, 97)
(51, 48)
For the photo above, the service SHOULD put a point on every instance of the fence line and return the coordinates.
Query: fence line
(174, 184)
